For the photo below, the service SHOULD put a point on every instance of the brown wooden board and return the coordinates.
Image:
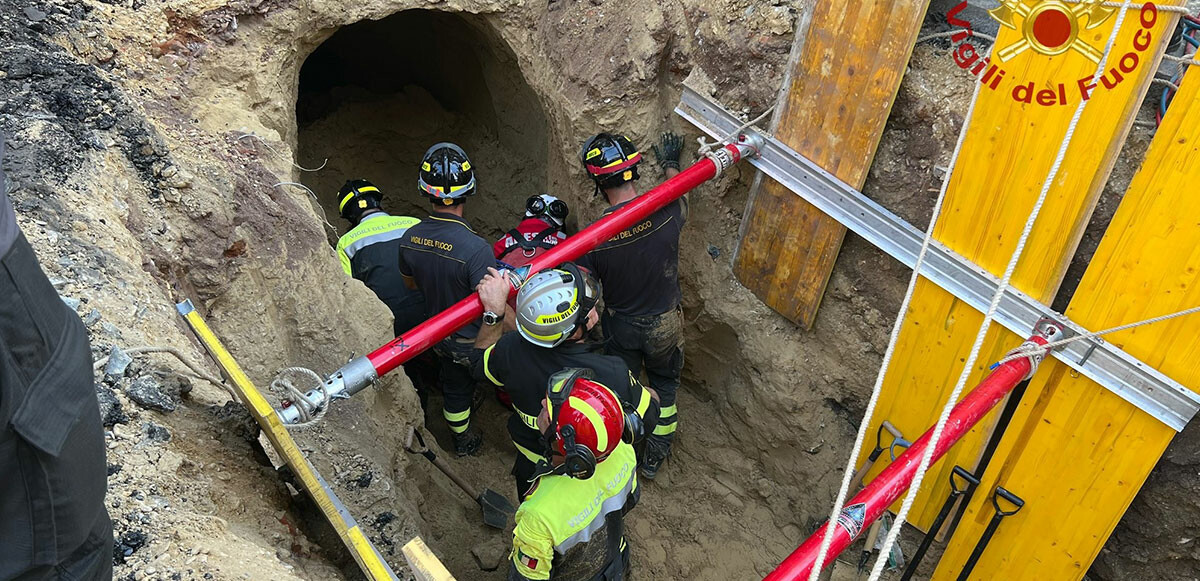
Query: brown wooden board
(847, 69)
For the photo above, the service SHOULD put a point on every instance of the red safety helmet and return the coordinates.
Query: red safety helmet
(587, 422)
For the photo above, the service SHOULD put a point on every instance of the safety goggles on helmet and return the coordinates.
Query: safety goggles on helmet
(586, 422)
(547, 206)
(446, 174)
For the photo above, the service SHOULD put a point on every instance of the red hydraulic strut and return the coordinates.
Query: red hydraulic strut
(440, 326)
(869, 504)
(360, 372)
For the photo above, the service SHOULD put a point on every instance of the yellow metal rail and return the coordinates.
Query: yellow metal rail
(364, 553)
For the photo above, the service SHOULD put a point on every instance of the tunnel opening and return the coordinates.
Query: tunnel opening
(375, 95)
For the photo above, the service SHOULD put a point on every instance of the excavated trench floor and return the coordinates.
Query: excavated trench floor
(372, 99)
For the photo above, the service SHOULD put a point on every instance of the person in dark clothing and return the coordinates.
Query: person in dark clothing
(444, 258)
(53, 520)
(555, 309)
(639, 267)
(368, 252)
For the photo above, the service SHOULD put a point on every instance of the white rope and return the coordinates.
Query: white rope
(287, 157)
(191, 365)
(314, 197)
(847, 474)
(283, 386)
(1129, 5)
(1026, 352)
(706, 146)
(927, 457)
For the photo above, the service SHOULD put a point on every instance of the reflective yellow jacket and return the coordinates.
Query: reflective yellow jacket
(566, 523)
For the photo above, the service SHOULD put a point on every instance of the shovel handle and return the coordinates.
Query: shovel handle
(1015, 500)
(422, 449)
(961, 472)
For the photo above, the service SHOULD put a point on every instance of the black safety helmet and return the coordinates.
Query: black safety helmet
(357, 197)
(611, 160)
(446, 176)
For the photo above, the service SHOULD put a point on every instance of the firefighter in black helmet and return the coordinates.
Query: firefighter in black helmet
(368, 253)
(446, 259)
(639, 267)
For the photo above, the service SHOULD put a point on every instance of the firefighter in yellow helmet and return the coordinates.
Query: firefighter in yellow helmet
(571, 524)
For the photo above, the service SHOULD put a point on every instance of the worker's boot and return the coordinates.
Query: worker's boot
(468, 443)
(657, 450)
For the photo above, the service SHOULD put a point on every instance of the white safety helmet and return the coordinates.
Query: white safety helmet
(555, 302)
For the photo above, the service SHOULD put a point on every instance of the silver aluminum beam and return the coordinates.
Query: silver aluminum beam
(1102, 362)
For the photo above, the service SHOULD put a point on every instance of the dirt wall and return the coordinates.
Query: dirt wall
(146, 140)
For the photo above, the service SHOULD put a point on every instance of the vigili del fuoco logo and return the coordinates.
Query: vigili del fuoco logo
(1051, 28)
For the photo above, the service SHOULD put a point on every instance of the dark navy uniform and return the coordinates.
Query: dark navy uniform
(642, 321)
(524, 369)
(447, 259)
(53, 473)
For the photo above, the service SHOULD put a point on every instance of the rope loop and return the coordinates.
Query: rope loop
(285, 387)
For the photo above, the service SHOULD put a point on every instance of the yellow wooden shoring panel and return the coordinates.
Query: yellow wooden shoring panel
(1005, 159)
(842, 84)
(364, 553)
(1075, 452)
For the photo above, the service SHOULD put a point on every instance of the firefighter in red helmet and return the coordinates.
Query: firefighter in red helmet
(571, 524)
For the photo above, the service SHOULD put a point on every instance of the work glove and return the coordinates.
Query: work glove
(669, 147)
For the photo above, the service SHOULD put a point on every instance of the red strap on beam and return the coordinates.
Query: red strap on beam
(869, 504)
(401, 349)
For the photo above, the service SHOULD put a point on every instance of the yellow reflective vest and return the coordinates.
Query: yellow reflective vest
(564, 513)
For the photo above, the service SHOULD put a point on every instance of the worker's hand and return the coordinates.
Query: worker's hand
(493, 290)
(668, 150)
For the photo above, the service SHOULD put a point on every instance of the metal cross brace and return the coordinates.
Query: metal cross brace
(1102, 362)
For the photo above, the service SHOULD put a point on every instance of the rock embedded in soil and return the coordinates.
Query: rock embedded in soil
(128, 544)
(118, 362)
(155, 434)
(111, 412)
(489, 554)
(147, 392)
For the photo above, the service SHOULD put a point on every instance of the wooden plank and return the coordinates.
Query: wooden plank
(1006, 156)
(1075, 452)
(846, 74)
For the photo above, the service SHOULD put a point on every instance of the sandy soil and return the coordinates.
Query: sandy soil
(129, 163)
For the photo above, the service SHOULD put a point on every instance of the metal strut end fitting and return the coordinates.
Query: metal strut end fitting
(751, 145)
(352, 378)
(1048, 329)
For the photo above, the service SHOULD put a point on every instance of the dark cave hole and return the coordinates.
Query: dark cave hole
(375, 95)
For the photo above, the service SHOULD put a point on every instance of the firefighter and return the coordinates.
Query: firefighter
(571, 526)
(444, 258)
(555, 310)
(368, 253)
(52, 514)
(639, 267)
(541, 230)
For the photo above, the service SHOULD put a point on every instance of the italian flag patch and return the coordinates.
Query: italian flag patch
(526, 560)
